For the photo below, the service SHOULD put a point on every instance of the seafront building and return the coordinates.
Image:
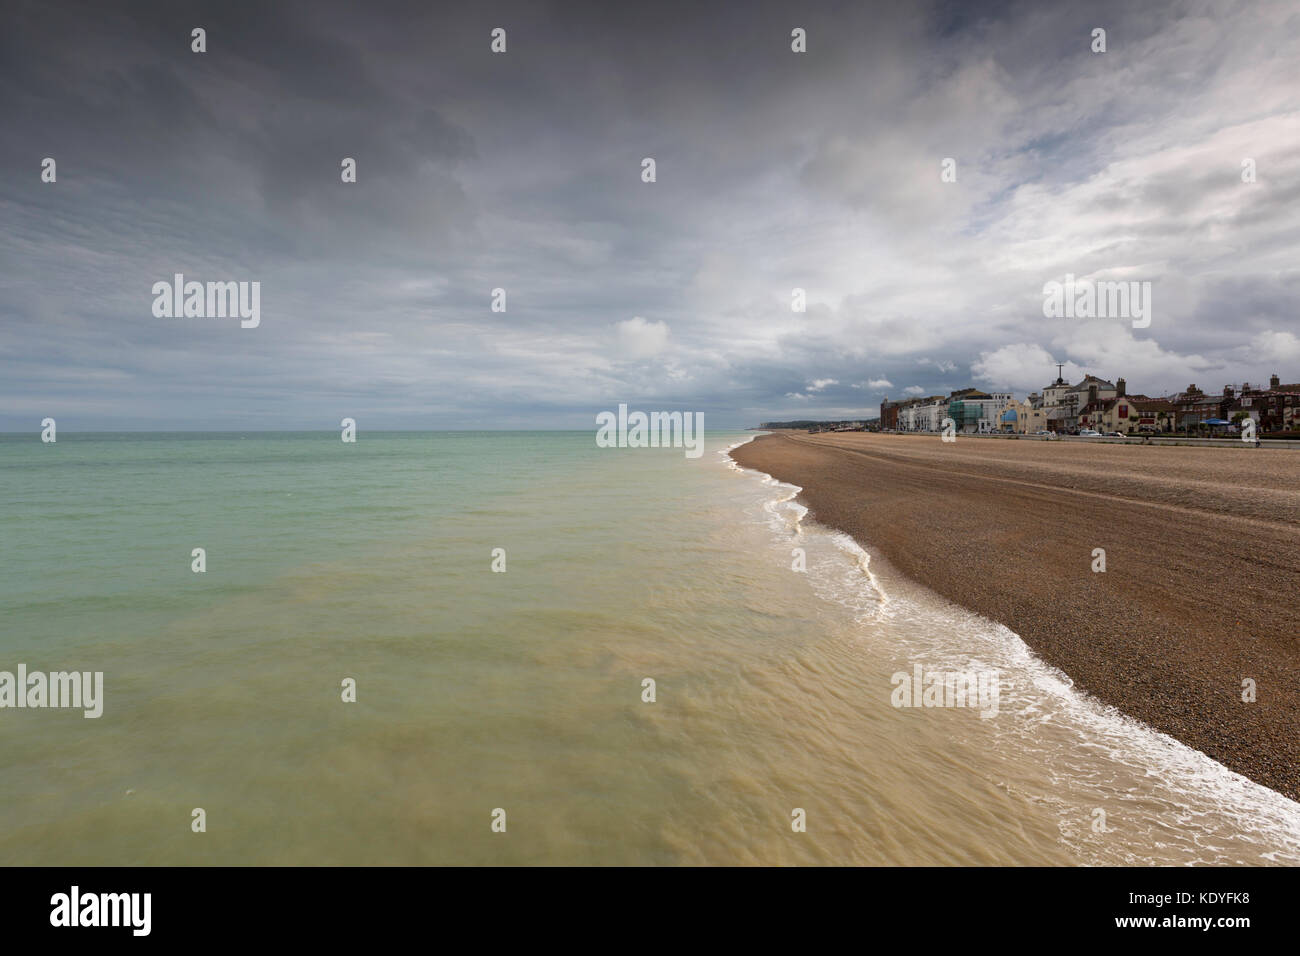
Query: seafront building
(1023, 418)
(971, 410)
(975, 412)
(1098, 404)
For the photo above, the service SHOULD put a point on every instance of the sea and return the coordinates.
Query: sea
(520, 648)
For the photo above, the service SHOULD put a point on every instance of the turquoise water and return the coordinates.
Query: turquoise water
(523, 690)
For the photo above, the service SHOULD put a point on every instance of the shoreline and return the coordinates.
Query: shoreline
(1202, 580)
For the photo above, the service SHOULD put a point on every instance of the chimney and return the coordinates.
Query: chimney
(1227, 391)
(1274, 382)
(1121, 388)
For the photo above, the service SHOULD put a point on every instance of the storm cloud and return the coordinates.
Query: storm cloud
(522, 171)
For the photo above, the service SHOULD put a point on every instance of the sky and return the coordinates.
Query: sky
(523, 171)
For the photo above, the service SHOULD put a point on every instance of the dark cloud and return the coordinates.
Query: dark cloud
(775, 171)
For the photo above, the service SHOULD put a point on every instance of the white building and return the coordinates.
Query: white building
(1054, 394)
(929, 414)
(980, 412)
(990, 410)
(974, 411)
(914, 417)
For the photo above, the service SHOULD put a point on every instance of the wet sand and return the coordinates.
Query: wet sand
(1202, 580)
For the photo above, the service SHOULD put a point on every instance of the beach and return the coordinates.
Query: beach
(1202, 565)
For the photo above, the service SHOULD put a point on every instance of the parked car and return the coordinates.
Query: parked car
(1089, 433)
(1117, 435)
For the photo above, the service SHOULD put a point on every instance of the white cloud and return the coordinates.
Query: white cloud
(1020, 367)
(816, 385)
(1278, 346)
(943, 366)
(639, 339)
